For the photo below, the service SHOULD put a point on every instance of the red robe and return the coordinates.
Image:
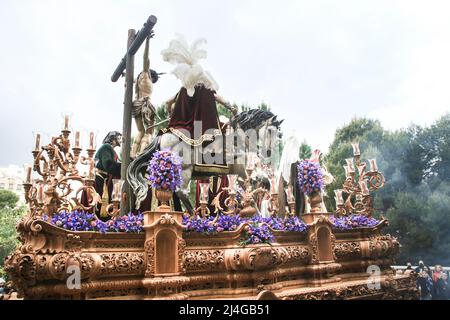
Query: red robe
(200, 107)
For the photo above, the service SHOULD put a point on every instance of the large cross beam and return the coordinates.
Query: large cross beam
(127, 63)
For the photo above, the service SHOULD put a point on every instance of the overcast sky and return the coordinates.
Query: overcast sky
(317, 63)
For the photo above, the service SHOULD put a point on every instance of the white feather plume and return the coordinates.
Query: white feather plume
(187, 68)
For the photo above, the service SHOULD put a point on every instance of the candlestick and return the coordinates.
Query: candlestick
(91, 170)
(66, 122)
(373, 165)
(364, 190)
(41, 193)
(91, 140)
(77, 139)
(38, 141)
(356, 151)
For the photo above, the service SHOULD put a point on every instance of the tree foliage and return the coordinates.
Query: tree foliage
(9, 217)
(305, 151)
(8, 199)
(10, 213)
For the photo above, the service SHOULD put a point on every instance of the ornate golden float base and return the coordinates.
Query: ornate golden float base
(166, 263)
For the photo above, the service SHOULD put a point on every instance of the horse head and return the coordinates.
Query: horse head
(263, 125)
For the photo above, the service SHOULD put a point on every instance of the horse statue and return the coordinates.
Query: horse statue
(262, 123)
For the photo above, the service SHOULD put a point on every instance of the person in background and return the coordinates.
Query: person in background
(408, 266)
(421, 267)
(439, 284)
(425, 284)
(2, 286)
(448, 285)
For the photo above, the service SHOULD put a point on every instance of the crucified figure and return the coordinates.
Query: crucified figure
(143, 110)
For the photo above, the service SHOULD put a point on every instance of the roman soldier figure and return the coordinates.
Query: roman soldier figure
(107, 168)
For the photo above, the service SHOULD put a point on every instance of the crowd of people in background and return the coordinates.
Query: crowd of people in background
(433, 284)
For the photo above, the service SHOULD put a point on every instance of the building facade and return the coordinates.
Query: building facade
(11, 178)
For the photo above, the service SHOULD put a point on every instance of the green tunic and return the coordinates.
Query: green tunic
(106, 160)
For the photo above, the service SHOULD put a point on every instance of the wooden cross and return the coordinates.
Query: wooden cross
(127, 63)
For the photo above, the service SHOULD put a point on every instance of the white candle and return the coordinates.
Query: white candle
(66, 122)
(204, 186)
(251, 162)
(347, 174)
(28, 177)
(273, 185)
(38, 142)
(373, 165)
(356, 151)
(338, 197)
(351, 167)
(117, 186)
(232, 178)
(91, 140)
(77, 139)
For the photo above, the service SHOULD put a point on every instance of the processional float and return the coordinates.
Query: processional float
(230, 251)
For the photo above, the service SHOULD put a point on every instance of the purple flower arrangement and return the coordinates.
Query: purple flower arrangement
(294, 224)
(85, 221)
(164, 170)
(257, 232)
(74, 220)
(228, 222)
(131, 223)
(353, 221)
(197, 224)
(310, 177)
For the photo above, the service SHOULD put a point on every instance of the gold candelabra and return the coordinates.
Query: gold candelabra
(357, 185)
(56, 164)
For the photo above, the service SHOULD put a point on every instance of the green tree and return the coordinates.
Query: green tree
(10, 214)
(9, 217)
(8, 199)
(305, 151)
(262, 106)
